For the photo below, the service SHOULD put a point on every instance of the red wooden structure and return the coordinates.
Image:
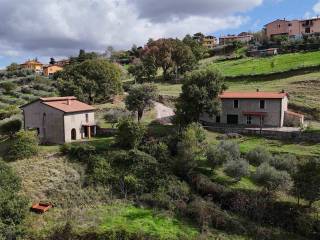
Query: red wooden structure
(41, 207)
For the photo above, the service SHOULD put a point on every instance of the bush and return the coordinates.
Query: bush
(225, 151)
(285, 162)
(81, 152)
(113, 116)
(8, 86)
(10, 127)
(272, 179)
(258, 156)
(9, 111)
(130, 133)
(24, 145)
(12, 206)
(237, 168)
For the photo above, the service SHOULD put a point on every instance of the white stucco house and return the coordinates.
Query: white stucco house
(59, 119)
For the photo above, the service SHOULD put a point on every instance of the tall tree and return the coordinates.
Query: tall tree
(141, 97)
(196, 47)
(162, 50)
(200, 94)
(91, 81)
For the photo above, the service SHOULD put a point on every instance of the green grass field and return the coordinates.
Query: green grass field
(279, 63)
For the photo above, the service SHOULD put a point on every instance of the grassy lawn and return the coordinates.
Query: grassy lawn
(275, 146)
(134, 220)
(279, 63)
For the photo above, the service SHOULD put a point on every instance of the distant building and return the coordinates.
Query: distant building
(293, 28)
(243, 37)
(209, 42)
(59, 119)
(49, 70)
(33, 65)
(255, 109)
(62, 63)
(206, 41)
(263, 52)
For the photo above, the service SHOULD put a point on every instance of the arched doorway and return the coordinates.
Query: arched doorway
(73, 134)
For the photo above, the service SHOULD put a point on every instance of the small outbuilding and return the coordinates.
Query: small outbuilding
(59, 119)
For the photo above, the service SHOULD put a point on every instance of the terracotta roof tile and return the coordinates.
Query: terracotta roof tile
(252, 95)
(67, 104)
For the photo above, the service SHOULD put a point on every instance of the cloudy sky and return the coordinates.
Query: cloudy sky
(45, 28)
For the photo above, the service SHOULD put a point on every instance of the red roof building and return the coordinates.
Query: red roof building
(60, 119)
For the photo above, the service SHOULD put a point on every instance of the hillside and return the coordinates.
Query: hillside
(24, 90)
(259, 66)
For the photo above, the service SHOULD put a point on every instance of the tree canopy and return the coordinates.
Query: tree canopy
(200, 95)
(141, 96)
(91, 81)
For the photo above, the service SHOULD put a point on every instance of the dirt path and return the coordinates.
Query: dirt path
(164, 113)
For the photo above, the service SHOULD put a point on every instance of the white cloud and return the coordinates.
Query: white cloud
(316, 7)
(59, 27)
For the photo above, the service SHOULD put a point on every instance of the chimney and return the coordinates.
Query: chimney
(68, 101)
(258, 90)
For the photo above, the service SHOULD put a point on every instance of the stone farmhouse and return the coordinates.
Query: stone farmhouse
(59, 119)
(255, 109)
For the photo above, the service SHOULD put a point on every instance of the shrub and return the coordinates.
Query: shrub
(307, 181)
(272, 179)
(130, 133)
(8, 86)
(258, 156)
(12, 206)
(237, 168)
(10, 127)
(24, 145)
(285, 162)
(190, 148)
(159, 151)
(81, 152)
(172, 195)
(113, 116)
(223, 152)
(8, 111)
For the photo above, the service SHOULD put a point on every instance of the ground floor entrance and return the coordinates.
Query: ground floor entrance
(88, 131)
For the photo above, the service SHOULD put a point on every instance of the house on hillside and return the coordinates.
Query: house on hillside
(49, 70)
(245, 39)
(292, 28)
(33, 65)
(59, 119)
(255, 109)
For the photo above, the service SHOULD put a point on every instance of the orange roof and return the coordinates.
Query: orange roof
(66, 104)
(253, 95)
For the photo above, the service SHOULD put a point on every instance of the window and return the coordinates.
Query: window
(289, 24)
(249, 120)
(235, 103)
(218, 119)
(307, 30)
(262, 104)
(87, 117)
